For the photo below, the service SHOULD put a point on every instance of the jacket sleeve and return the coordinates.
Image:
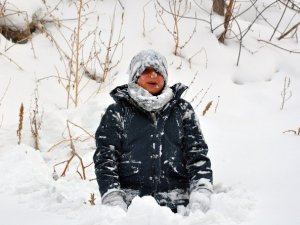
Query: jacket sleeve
(197, 163)
(108, 144)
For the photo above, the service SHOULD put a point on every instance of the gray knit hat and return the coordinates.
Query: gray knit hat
(144, 59)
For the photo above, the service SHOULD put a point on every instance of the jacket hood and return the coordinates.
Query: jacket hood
(144, 59)
(121, 92)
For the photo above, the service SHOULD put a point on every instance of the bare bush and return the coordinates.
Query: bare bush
(74, 153)
(232, 23)
(101, 58)
(110, 47)
(177, 9)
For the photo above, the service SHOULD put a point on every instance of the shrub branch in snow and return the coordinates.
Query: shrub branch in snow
(219, 6)
(177, 10)
(1, 99)
(20, 127)
(5, 91)
(92, 199)
(74, 154)
(217, 104)
(227, 20)
(144, 17)
(207, 107)
(286, 93)
(111, 47)
(198, 52)
(35, 120)
(11, 60)
(293, 28)
(100, 61)
(296, 132)
(203, 96)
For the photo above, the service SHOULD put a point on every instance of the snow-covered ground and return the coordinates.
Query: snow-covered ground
(256, 165)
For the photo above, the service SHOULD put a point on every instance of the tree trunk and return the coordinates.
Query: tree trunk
(219, 6)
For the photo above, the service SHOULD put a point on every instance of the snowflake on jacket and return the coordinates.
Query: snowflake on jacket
(159, 152)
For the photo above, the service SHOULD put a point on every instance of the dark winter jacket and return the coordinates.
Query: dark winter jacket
(161, 154)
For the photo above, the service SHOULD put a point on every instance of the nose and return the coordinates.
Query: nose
(153, 74)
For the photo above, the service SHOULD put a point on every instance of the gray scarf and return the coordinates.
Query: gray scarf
(148, 101)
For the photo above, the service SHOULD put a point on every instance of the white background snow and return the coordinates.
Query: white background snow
(256, 166)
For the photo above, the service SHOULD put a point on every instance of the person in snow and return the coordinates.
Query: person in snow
(149, 142)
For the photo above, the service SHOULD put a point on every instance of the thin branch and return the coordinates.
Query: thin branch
(11, 60)
(92, 136)
(144, 18)
(284, 49)
(5, 91)
(279, 20)
(289, 31)
(182, 16)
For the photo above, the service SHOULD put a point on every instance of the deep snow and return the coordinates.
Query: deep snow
(256, 165)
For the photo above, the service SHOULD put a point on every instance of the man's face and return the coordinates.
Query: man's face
(152, 81)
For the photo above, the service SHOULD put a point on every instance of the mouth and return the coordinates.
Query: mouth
(152, 83)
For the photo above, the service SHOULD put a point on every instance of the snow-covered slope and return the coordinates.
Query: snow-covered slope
(256, 165)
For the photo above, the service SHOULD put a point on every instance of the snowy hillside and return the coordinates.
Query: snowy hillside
(252, 128)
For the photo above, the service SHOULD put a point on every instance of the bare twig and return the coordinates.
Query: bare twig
(227, 19)
(185, 17)
(284, 49)
(35, 120)
(5, 91)
(296, 132)
(219, 6)
(192, 82)
(77, 48)
(217, 105)
(111, 47)
(88, 133)
(196, 95)
(144, 18)
(92, 199)
(57, 144)
(279, 20)
(207, 107)
(295, 27)
(286, 94)
(177, 10)
(11, 60)
(121, 4)
(73, 155)
(203, 96)
(290, 131)
(20, 127)
(206, 60)
(1, 122)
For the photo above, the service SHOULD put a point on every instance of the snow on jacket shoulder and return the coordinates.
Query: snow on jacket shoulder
(161, 154)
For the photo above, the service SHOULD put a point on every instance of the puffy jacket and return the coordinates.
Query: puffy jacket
(161, 154)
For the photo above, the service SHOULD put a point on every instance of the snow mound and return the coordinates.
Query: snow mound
(18, 14)
(69, 198)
